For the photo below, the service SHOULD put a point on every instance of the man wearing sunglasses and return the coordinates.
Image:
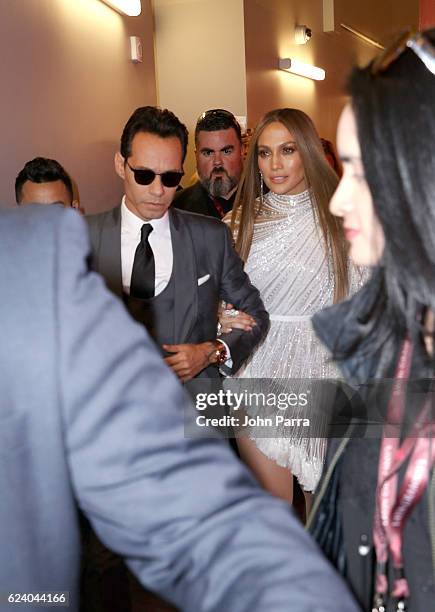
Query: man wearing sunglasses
(218, 150)
(172, 267)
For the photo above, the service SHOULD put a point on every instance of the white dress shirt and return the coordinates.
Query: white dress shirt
(159, 241)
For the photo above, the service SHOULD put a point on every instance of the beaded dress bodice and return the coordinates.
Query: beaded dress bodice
(287, 261)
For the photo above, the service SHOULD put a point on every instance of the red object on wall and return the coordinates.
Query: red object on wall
(427, 14)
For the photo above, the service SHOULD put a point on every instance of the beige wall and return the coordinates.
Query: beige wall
(68, 87)
(200, 59)
(269, 28)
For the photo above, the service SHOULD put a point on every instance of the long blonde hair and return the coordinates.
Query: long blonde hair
(320, 179)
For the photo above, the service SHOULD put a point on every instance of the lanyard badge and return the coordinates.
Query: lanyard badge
(393, 508)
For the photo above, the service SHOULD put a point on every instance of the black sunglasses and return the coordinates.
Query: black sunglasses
(145, 176)
(218, 113)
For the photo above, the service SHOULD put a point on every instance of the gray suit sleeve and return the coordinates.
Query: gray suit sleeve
(185, 514)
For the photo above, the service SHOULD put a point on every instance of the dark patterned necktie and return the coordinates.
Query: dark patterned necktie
(143, 275)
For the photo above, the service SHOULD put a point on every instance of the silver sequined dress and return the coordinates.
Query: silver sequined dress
(288, 265)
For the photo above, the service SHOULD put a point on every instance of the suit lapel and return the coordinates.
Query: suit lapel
(110, 251)
(185, 277)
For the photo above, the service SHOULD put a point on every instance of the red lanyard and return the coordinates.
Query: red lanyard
(219, 207)
(392, 510)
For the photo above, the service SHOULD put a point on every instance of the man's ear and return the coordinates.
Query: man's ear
(119, 165)
(76, 204)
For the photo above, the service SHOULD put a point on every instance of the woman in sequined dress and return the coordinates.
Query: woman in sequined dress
(295, 255)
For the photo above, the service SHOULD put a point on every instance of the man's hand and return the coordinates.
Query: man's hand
(189, 359)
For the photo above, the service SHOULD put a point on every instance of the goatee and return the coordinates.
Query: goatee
(219, 185)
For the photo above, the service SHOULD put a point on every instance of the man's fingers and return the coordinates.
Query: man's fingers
(172, 348)
(188, 360)
(174, 359)
(179, 360)
(181, 371)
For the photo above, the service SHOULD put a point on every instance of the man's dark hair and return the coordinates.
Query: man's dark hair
(42, 170)
(153, 120)
(217, 119)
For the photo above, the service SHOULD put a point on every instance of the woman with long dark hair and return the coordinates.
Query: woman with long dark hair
(375, 511)
(295, 254)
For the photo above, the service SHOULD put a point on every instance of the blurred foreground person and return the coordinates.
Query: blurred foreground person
(375, 513)
(90, 415)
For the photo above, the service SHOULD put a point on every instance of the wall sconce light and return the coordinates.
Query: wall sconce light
(306, 70)
(132, 8)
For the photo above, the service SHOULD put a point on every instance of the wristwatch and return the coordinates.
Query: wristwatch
(220, 353)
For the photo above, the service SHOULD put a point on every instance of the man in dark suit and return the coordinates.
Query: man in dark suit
(218, 150)
(172, 267)
(90, 415)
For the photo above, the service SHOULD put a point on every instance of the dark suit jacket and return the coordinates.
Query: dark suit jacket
(196, 199)
(90, 414)
(202, 248)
